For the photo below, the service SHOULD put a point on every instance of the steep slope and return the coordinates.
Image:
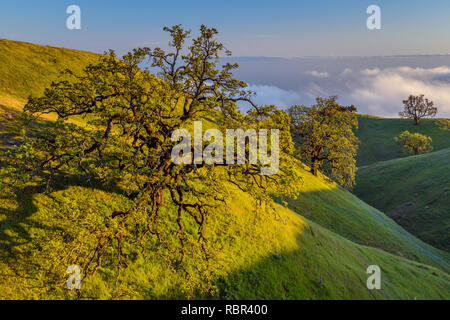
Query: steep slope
(414, 191)
(257, 257)
(27, 68)
(267, 257)
(377, 137)
(336, 209)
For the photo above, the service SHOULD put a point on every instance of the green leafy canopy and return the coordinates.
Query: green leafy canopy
(326, 138)
(127, 117)
(414, 143)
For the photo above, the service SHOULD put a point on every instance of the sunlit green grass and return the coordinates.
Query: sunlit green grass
(27, 68)
(264, 257)
(271, 256)
(337, 209)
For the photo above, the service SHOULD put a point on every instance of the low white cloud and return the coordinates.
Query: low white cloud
(314, 90)
(375, 85)
(383, 91)
(346, 71)
(370, 72)
(318, 74)
(267, 95)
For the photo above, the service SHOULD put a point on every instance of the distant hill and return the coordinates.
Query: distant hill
(377, 137)
(27, 68)
(414, 191)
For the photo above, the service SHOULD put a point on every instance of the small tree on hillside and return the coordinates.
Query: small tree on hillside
(414, 143)
(418, 107)
(326, 138)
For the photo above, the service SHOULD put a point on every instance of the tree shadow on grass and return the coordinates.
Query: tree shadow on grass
(12, 122)
(326, 266)
(17, 226)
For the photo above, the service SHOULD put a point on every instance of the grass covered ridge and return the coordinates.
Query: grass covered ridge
(377, 137)
(281, 256)
(338, 210)
(317, 248)
(27, 69)
(414, 191)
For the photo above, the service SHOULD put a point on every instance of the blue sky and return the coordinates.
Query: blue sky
(283, 28)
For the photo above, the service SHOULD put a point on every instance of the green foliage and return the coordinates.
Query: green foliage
(126, 140)
(414, 191)
(444, 124)
(376, 135)
(414, 143)
(326, 140)
(254, 254)
(418, 107)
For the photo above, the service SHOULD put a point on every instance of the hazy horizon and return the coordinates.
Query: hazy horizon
(289, 51)
(376, 85)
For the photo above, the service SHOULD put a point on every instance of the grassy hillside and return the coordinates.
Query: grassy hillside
(283, 256)
(267, 257)
(414, 191)
(338, 210)
(377, 137)
(27, 68)
(334, 208)
(286, 257)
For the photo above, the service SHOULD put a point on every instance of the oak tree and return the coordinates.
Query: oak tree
(114, 127)
(326, 138)
(418, 107)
